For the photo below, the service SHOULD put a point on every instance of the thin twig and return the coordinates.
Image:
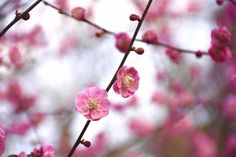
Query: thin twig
(181, 50)
(78, 141)
(18, 17)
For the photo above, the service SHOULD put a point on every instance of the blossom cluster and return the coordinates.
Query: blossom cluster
(219, 50)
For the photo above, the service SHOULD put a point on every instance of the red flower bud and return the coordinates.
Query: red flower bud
(25, 16)
(199, 54)
(134, 17)
(86, 143)
(139, 50)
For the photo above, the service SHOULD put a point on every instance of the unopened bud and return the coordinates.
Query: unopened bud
(25, 16)
(139, 50)
(134, 17)
(86, 143)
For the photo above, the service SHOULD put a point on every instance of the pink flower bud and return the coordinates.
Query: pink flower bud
(139, 50)
(15, 56)
(134, 17)
(150, 37)
(78, 13)
(122, 42)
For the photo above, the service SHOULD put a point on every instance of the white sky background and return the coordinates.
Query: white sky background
(58, 80)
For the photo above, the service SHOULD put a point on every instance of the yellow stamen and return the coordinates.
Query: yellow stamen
(127, 80)
(93, 103)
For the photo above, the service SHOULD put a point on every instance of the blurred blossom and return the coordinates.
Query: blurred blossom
(22, 154)
(158, 97)
(150, 37)
(230, 75)
(174, 55)
(230, 146)
(204, 145)
(19, 128)
(15, 56)
(141, 127)
(78, 13)
(131, 154)
(195, 71)
(219, 54)
(229, 107)
(45, 150)
(178, 125)
(19, 100)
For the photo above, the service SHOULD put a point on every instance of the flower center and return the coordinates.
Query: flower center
(127, 80)
(93, 103)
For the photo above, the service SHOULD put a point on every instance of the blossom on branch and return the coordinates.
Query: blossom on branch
(219, 54)
(219, 51)
(122, 42)
(44, 151)
(220, 37)
(92, 102)
(150, 37)
(127, 81)
(78, 13)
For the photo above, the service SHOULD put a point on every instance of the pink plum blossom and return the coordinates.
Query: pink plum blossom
(127, 81)
(220, 37)
(122, 42)
(150, 37)
(45, 150)
(2, 141)
(219, 54)
(92, 102)
(78, 13)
